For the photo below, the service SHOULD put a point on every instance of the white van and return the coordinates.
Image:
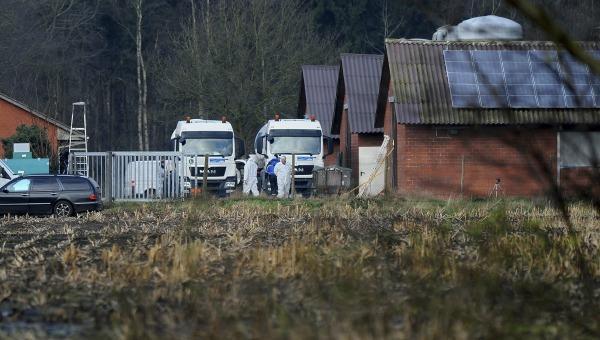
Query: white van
(144, 179)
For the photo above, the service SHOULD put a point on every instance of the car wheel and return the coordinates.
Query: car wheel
(63, 209)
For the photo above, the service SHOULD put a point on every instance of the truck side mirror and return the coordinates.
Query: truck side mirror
(240, 147)
(182, 141)
(270, 139)
(329, 145)
(259, 144)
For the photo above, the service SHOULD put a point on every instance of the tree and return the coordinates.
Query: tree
(142, 83)
(37, 138)
(242, 59)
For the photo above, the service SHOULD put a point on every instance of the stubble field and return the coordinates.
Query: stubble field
(303, 269)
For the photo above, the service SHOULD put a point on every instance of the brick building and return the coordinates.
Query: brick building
(356, 104)
(461, 119)
(14, 113)
(318, 87)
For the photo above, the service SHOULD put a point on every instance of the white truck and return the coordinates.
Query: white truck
(215, 139)
(301, 137)
(6, 174)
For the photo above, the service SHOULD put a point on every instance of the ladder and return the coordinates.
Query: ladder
(78, 147)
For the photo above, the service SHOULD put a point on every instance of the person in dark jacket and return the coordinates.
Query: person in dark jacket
(270, 170)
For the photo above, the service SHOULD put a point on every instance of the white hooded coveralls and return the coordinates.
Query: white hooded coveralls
(250, 179)
(284, 179)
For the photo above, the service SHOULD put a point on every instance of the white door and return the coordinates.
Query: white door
(367, 165)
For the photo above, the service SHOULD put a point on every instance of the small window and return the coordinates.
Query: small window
(579, 149)
(75, 183)
(44, 184)
(21, 185)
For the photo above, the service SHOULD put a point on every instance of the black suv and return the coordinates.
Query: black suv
(61, 195)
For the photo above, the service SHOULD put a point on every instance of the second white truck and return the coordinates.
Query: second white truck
(300, 137)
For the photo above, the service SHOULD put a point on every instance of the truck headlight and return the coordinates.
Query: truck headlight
(230, 184)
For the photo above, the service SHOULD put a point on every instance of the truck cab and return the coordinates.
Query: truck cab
(198, 139)
(300, 137)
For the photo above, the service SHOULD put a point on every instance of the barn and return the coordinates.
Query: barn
(354, 117)
(488, 118)
(14, 113)
(318, 85)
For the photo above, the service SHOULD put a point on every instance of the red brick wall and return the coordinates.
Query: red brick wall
(429, 160)
(12, 116)
(344, 140)
(332, 159)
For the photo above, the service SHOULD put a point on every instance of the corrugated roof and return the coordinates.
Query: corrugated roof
(317, 93)
(361, 75)
(24, 107)
(422, 96)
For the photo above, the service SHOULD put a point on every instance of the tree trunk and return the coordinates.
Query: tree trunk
(145, 104)
(138, 48)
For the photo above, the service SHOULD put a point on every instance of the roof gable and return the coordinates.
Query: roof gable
(317, 93)
(359, 83)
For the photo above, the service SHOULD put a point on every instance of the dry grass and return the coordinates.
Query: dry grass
(303, 269)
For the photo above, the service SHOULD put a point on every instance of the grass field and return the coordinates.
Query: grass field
(304, 269)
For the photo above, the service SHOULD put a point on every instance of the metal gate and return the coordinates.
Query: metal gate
(135, 176)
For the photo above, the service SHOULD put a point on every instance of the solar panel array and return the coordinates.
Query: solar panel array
(520, 79)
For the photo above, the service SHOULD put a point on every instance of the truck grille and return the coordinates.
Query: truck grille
(304, 169)
(212, 172)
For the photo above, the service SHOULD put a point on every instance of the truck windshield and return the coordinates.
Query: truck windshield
(296, 141)
(208, 143)
(208, 146)
(298, 145)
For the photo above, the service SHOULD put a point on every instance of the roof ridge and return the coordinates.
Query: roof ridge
(322, 66)
(479, 42)
(361, 54)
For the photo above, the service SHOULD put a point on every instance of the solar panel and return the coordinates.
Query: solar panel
(520, 79)
(465, 101)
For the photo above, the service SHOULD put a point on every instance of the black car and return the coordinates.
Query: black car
(61, 195)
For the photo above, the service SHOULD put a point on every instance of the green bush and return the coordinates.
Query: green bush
(36, 136)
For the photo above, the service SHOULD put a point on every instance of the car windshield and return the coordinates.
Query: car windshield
(209, 146)
(298, 145)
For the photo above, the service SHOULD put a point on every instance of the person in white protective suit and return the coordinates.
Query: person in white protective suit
(250, 179)
(283, 171)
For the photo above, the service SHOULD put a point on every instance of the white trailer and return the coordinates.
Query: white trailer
(6, 173)
(301, 137)
(198, 139)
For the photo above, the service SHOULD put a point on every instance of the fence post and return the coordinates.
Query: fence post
(386, 174)
(205, 177)
(108, 173)
(71, 162)
(293, 175)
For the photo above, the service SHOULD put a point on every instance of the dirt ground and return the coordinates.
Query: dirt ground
(303, 269)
